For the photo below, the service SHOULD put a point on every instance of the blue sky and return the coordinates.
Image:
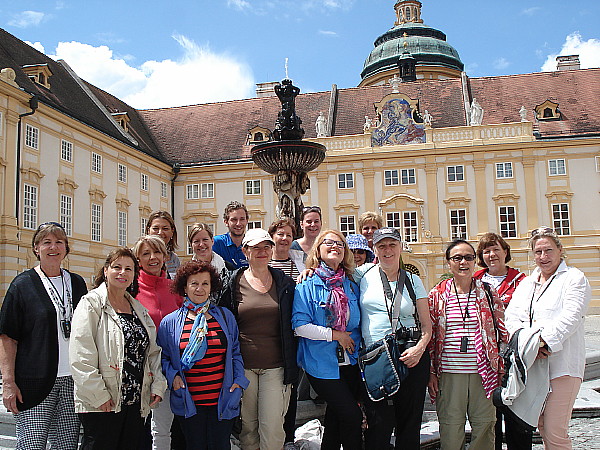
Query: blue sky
(158, 54)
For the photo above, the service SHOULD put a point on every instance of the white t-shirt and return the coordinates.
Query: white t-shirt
(64, 367)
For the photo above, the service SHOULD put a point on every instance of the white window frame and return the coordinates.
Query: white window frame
(66, 213)
(391, 177)
(561, 218)
(32, 136)
(96, 222)
(347, 225)
(66, 150)
(144, 182)
(410, 226)
(453, 172)
(143, 223)
(393, 220)
(163, 189)
(597, 160)
(408, 176)
(1, 124)
(207, 190)
(508, 227)
(192, 191)
(122, 173)
(30, 206)
(504, 170)
(122, 228)
(253, 187)
(96, 162)
(557, 167)
(254, 224)
(345, 180)
(458, 229)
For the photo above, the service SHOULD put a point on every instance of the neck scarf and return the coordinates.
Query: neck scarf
(197, 345)
(336, 306)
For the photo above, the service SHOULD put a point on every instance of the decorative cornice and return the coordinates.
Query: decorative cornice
(97, 194)
(506, 197)
(559, 194)
(343, 206)
(32, 174)
(206, 214)
(66, 184)
(457, 200)
(393, 198)
(122, 202)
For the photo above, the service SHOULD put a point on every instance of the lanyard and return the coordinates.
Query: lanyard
(464, 315)
(538, 299)
(65, 311)
(387, 290)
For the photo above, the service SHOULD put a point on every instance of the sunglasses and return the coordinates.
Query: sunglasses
(459, 258)
(45, 224)
(331, 243)
(543, 230)
(308, 209)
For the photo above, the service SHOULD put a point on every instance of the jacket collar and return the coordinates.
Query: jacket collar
(562, 267)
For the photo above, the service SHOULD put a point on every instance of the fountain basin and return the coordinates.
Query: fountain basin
(302, 156)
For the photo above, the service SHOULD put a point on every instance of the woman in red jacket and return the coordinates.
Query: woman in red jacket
(155, 294)
(493, 252)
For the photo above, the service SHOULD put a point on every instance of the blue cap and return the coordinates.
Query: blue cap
(358, 241)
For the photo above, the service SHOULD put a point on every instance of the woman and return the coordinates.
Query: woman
(554, 299)
(115, 361)
(200, 238)
(205, 373)
(493, 252)
(155, 295)
(35, 328)
(368, 222)
(468, 324)
(282, 232)
(260, 298)
(386, 306)
(360, 249)
(161, 223)
(310, 223)
(326, 317)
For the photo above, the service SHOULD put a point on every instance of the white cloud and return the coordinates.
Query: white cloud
(530, 11)
(501, 63)
(199, 76)
(238, 4)
(588, 51)
(37, 45)
(328, 33)
(26, 19)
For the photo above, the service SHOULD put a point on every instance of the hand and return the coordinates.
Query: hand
(304, 275)
(411, 356)
(107, 406)
(234, 386)
(155, 400)
(543, 353)
(433, 385)
(178, 383)
(10, 395)
(343, 337)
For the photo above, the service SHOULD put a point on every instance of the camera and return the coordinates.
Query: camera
(66, 328)
(407, 337)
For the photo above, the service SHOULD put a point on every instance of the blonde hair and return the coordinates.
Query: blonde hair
(154, 241)
(546, 232)
(314, 258)
(369, 216)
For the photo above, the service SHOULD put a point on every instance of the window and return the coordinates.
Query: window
(96, 222)
(345, 180)
(410, 226)
(30, 206)
(560, 218)
(458, 223)
(122, 173)
(96, 163)
(208, 190)
(1, 123)
(143, 182)
(504, 170)
(390, 177)
(347, 225)
(32, 135)
(557, 167)
(456, 173)
(163, 189)
(508, 221)
(252, 187)
(193, 191)
(122, 228)
(143, 223)
(392, 220)
(66, 150)
(66, 213)
(254, 224)
(408, 176)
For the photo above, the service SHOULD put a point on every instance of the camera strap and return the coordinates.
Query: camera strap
(393, 307)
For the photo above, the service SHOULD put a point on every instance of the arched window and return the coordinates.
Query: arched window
(258, 136)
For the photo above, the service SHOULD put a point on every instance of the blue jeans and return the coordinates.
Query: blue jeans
(205, 431)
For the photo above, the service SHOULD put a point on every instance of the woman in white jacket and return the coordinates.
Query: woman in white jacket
(115, 362)
(554, 299)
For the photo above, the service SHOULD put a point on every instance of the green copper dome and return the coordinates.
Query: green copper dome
(427, 45)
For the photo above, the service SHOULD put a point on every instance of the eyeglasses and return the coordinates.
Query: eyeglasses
(459, 258)
(45, 224)
(543, 230)
(360, 251)
(331, 243)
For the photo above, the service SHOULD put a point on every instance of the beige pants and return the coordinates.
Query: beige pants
(461, 395)
(264, 405)
(554, 421)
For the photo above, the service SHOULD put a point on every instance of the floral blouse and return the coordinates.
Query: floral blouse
(136, 344)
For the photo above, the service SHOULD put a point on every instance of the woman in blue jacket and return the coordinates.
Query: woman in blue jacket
(326, 317)
(201, 360)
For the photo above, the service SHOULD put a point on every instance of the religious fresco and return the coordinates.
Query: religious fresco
(397, 124)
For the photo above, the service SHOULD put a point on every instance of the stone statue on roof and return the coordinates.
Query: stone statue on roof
(395, 83)
(523, 114)
(368, 124)
(427, 119)
(321, 125)
(476, 113)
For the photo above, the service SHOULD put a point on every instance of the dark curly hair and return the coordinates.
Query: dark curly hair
(190, 268)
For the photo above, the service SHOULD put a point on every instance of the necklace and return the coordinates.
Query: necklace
(464, 340)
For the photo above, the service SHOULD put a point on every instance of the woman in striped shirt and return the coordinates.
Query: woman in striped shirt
(201, 359)
(468, 324)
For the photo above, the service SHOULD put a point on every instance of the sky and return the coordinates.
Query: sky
(154, 54)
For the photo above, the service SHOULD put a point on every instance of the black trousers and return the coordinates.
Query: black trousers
(112, 431)
(343, 417)
(516, 438)
(204, 431)
(404, 412)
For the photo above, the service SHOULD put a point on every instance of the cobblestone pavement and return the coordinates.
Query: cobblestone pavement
(584, 432)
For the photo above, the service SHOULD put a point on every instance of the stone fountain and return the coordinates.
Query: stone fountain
(288, 157)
